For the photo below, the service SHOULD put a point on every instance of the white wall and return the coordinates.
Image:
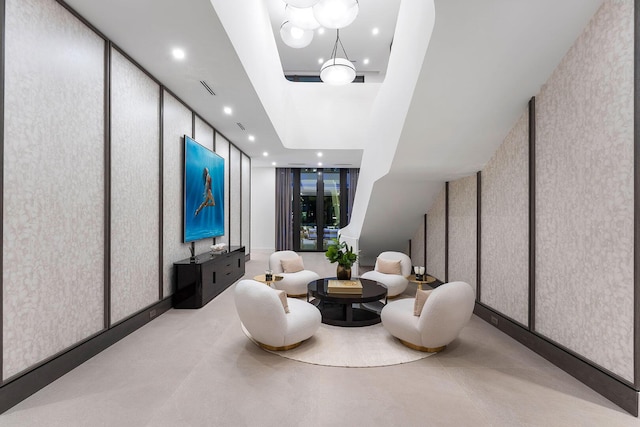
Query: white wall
(263, 208)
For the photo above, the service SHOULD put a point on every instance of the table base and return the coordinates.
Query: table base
(349, 315)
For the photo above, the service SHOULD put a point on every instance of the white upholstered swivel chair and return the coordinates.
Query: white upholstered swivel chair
(395, 283)
(263, 315)
(294, 284)
(446, 311)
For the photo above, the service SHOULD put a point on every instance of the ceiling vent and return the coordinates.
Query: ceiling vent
(240, 125)
(207, 87)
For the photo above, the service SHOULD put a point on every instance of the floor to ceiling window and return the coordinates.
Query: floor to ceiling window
(320, 199)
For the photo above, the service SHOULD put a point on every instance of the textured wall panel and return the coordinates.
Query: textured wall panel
(246, 202)
(463, 230)
(436, 237)
(222, 148)
(505, 226)
(584, 194)
(134, 188)
(53, 242)
(177, 123)
(205, 137)
(234, 196)
(417, 246)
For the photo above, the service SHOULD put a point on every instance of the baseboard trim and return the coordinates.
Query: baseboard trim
(27, 384)
(605, 384)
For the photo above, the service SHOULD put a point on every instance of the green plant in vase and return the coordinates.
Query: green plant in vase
(343, 254)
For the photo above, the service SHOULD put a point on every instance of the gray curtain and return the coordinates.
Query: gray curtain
(353, 183)
(284, 212)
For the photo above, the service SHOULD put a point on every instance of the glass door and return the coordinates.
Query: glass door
(330, 205)
(318, 204)
(307, 209)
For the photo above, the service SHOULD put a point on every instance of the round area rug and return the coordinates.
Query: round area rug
(364, 347)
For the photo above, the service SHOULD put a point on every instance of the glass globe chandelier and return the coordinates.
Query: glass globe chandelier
(294, 36)
(336, 14)
(301, 17)
(338, 71)
(301, 3)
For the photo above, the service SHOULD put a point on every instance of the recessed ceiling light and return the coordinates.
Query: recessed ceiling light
(321, 30)
(320, 61)
(319, 154)
(252, 138)
(228, 110)
(375, 31)
(178, 53)
(365, 61)
(273, 163)
(319, 163)
(265, 154)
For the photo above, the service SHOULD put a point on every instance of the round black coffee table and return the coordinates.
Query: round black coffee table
(348, 309)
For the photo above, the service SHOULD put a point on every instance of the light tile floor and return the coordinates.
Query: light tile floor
(196, 368)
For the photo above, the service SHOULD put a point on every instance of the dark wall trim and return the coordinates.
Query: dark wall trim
(215, 137)
(27, 384)
(107, 184)
(446, 232)
(247, 244)
(636, 194)
(241, 187)
(478, 233)
(134, 62)
(80, 18)
(425, 241)
(161, 196)
(532, 213)
(296, 202)
(2, 47)
(344, 197)
(602, 382)
(193, 124)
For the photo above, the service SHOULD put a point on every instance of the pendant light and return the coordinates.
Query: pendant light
(338, 71)
(336, 14)
(301, 3)
(295, 37)
(301, 17)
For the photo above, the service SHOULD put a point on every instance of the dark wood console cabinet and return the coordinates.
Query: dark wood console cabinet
(199, 281)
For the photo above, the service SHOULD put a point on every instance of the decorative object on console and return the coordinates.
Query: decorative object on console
(192, 250)
(218, 248)
(343, 254)
(395, 283)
